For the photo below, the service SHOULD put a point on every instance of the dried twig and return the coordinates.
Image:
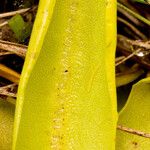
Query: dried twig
(3, 24)
(8, 90)
(9, 14)
(118, 59)
(141, 18)
(15, 48)
(128, 4)
(140, 43)
(129, 16)
(4, 53)
(127, 47)
(133, 28)
(133, 131)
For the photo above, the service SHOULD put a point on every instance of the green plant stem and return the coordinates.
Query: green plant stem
(146, 21)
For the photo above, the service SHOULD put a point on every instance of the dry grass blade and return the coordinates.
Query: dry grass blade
(129, 16)
(140, 43)
(128, 57)
(127, 47)
(9, 74)
(133, 28)
(4, 53)
(17, 49)
(8, 90)
(118, 59)
(3, 24)
(136, 15)
(133, 131)
(9, 14)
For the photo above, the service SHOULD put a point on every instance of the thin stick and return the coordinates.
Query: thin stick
(17, 49)
(3, 24)
(146, 21)
(140, 43)
(9, 14)
(126, 47)
(129, 16)
(133, 28)
(133, 131)
(9, 86)
(4, 90)
(5, 53)
(118, 59)
(9, 74)
(128, 57)
(6, 93)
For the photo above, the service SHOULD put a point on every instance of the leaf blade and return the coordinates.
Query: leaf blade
(64, 110)
(135, 115)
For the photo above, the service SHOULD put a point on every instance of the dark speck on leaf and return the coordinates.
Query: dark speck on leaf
(66, 70)
(135, 144)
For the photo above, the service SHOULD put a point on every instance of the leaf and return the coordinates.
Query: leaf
(122, 95)
(26, 31)
(6, 124)
(135, 116)
(21, 29)
(66, 96)
(128, 76)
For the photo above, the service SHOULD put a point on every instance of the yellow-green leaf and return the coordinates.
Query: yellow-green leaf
(66, 96)
(6, 124)
(128, 76)
(135, 117)
(21, 29)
